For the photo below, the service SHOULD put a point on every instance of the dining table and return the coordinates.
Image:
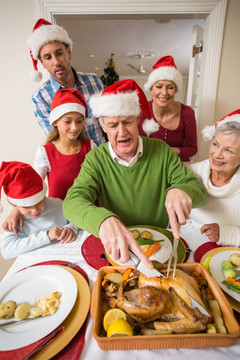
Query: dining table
(73, 252)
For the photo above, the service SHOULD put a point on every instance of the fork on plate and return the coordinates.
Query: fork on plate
(175, 256)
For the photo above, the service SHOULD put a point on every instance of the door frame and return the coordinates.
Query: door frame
(214, 12)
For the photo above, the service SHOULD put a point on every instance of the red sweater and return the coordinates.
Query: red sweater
(184, 137)
(64, 168)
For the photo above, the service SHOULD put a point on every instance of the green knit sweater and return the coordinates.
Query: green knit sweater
(136, 195)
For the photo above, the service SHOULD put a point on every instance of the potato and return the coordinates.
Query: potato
(217, 315)
(114, 277)
(22, 311)
(36, 311)
(146, 235)
(235, 259)
(135, 234)
(7, 309)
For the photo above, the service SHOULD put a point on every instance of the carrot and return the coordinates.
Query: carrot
(112, 271)
(233, 281)
(104, 282)
(209, 297)
(126, 274)
(152, 248)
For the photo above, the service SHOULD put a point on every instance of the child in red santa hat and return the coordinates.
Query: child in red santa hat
(61, 157)
(43, 220)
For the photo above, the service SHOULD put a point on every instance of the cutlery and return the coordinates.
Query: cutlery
(143, 268)
(195, 304)
(71, 265)
(175, 256)
(15, 321)
(48, 338)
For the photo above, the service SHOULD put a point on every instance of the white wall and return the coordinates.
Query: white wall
(19, 132)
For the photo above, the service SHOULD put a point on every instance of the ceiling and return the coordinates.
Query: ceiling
(101, 35)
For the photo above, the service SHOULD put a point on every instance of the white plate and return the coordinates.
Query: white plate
(25, 286)
(218, 274)
(161, 255)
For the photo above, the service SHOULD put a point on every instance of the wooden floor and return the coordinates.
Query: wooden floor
(4, 266)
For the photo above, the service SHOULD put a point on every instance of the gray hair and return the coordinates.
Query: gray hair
(230, 127)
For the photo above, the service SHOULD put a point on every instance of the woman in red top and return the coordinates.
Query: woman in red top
(171, 121)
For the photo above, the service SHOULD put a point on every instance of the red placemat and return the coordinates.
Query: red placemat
(201, 250)
(92, 250)
(72, 351)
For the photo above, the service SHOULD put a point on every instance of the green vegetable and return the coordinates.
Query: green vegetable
(141, 241)
(231, 273)
(232, 286)
(227, 265)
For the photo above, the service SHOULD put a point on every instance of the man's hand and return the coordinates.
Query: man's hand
(117, 239)
(64, 235)
(178, 205)
(11, 222)
(212, 231)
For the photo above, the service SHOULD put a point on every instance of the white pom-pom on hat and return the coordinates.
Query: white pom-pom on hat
(150, 126)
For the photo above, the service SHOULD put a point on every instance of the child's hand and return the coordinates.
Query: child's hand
(55, 233)
(67, 235)
(13, 219)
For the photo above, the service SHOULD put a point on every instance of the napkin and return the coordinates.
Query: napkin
(92, 249)
(201, 250)
(71, 351)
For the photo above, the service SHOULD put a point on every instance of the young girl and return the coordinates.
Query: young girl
(61, 157)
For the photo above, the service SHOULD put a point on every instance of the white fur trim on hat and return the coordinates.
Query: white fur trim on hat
(45, 34)
(31, 200)
(209, 131)
(235, 118)
(150, 126)
(66, 108)
(164, 73)
(113, 105)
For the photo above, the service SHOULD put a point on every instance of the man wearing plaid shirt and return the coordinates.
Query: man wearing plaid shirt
(52, 46)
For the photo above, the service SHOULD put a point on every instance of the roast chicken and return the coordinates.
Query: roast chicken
(166, 303)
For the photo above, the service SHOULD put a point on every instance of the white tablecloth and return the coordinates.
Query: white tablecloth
(72, 252)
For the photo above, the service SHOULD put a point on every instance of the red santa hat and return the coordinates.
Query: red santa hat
(209, 131)
(21, 184)
(122, 98)
(164, 69)
(67, 100)
(43, 33)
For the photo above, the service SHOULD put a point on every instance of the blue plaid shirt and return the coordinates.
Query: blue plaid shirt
(88, 84)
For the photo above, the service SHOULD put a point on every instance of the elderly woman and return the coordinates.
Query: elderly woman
(219, 218)
(172, 121)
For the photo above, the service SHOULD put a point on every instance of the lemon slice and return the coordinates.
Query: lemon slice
(119, 328)
(111, 316)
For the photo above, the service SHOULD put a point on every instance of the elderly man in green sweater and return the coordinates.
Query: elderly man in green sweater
(136, 180)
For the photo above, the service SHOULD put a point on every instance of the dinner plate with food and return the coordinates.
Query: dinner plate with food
(155, 242)
(225, 267)
(38, 299)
